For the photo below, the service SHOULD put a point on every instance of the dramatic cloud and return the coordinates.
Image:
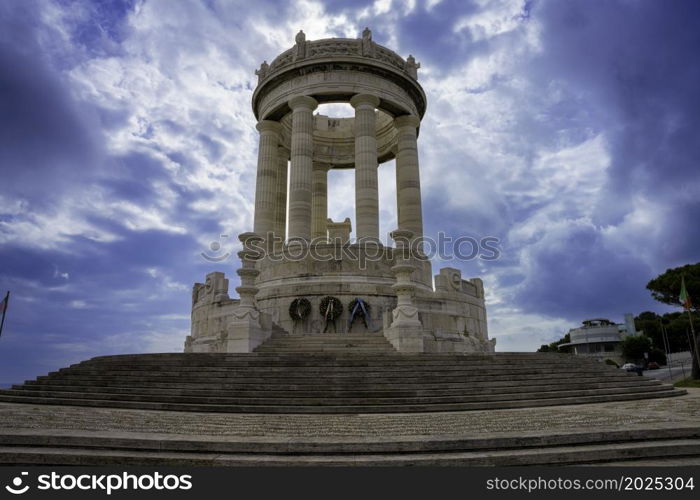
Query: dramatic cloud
(569, 130)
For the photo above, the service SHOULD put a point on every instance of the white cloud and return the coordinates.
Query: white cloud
(164, 283)
(495, 17)
(494, 147)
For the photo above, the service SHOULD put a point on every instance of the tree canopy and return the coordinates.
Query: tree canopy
(666, 287)
(554, 346)
(675, 324)
(634, 347)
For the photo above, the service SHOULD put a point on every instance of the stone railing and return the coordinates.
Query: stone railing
(338, 47)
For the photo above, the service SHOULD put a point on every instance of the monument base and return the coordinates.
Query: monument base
(406, 339)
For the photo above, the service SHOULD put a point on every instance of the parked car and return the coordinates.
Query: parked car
(631, 367)
(653, 366)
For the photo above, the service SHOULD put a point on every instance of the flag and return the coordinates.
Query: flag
(684, 298)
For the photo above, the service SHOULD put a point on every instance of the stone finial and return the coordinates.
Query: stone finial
(367, 44)
(339, 232)
(300, 39)
(262, 72)
(213, 290)
(412, 67)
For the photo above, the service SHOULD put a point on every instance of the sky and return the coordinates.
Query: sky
(569, 130)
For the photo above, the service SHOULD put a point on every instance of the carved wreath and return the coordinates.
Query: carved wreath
(331, 308)
(299, 309)
(360, 311)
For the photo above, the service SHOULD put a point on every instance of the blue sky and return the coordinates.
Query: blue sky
(567, 129)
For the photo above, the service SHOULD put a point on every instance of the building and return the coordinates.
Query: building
(296, 260)
(600, 337)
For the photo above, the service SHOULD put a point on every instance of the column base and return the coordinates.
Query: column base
(245, 333)
(406, 339)
(203, 344)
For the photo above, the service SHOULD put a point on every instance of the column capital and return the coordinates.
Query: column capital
(364, 99)
(269, 126)
(303, 101)
(406, 121)
(321, 166)
(283, 152)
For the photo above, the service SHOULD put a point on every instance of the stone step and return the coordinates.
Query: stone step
(340, 339)
(332, 445)
(315, 371)
(311, 383)
(340, 367)
(334, 383)
(493, 366)
(324, 391)
(181, 358)
(590, 453)
(360, 367)
(311, 400)
(17, 397)
(321, 378)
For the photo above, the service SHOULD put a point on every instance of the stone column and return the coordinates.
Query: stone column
(280, 224)
(319, 200)
(408, 197)
(366, 183)
(301, 170)
(266, 182)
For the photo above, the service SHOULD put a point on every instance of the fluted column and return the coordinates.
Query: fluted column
(280, 224)
(408, 197)
(319, 200)
(301, 170)
(366, 183)
(266, 182)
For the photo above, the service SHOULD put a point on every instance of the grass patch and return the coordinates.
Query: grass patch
(689, 382)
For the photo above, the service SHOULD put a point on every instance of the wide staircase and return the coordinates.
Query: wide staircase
(343, 373)
(343, 343)
(678, 445)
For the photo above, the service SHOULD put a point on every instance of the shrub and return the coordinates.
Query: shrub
(611, 362)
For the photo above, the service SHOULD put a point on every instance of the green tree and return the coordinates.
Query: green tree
(554, 346)
(675, 324)
(634, 347)
(666, 288)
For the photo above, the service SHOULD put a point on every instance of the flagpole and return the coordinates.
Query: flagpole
(695, 340)
(5, 303)
(667, 346)
(685, 301)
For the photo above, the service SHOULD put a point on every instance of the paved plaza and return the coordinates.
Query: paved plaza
(653, 414)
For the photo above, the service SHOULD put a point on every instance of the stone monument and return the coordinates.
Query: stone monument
(289, 268)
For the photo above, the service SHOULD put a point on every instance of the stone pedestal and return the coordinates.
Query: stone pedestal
(406, 330)
(245, 332)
